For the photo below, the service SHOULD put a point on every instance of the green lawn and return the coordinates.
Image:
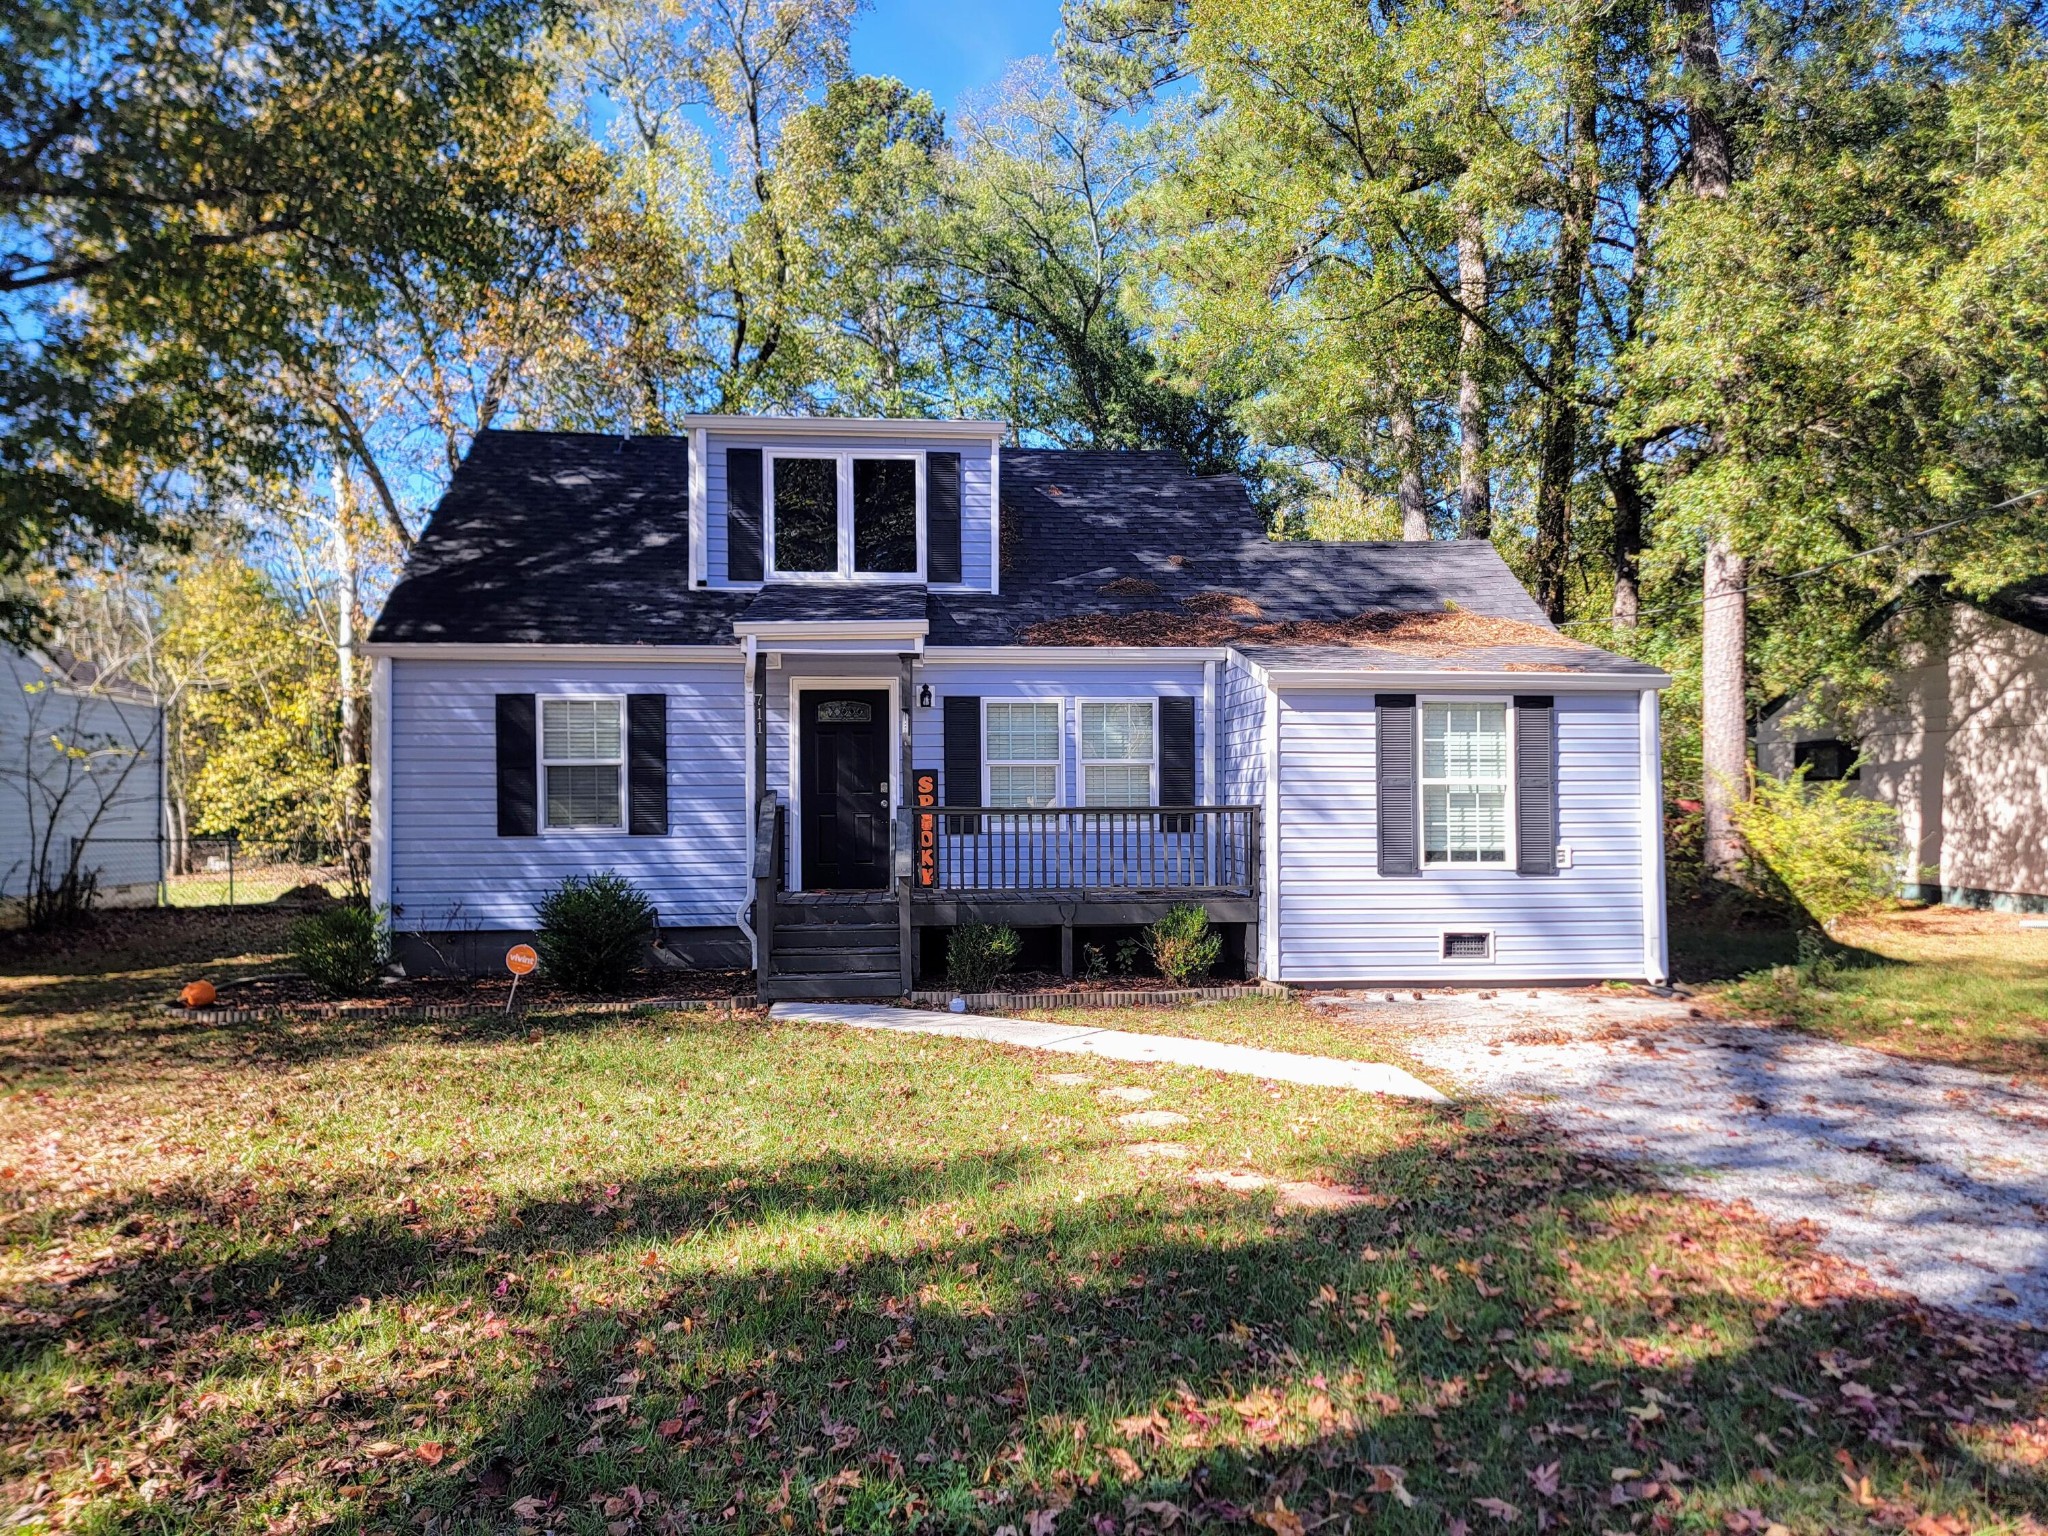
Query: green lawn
(1936, 983)
(632, 1274)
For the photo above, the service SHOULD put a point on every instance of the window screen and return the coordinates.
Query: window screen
(1021, 746)
(582, 748)
(807, 515)
(1116, 753)
(884, 515)
(1464, 784)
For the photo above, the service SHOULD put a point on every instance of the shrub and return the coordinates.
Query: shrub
(593, 932)
(344, 949)
(977, 953)
(1181, 944)
(1834, 852)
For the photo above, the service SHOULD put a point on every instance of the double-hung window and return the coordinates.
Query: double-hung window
(583, 760)
(1021, 751)
(1465, 783)
(1119, 753)
(845, 515)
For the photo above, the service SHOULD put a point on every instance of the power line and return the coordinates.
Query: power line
(1829, 565)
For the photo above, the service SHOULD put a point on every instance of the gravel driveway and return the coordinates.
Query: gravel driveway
(1934, 1179)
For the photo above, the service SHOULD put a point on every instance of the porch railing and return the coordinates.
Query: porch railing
(1150, 848)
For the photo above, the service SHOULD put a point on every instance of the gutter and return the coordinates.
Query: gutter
(750, 659)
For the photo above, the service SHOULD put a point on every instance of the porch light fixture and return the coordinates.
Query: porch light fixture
(924, 695)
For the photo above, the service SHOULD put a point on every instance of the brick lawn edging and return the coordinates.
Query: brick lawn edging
(427, 1013)
(1010, 1002)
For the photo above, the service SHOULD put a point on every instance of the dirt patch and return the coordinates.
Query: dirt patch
(1416, 634)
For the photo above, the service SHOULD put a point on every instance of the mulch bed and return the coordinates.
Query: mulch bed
(285, 996)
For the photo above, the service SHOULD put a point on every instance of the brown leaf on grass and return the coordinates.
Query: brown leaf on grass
(1500, 1509)
(1143, 1426)
(1125, 1463)
(1040, 1522)
(780, 1501)
(430, 1452)
(1280, 1520)
(1544, 1478)
(1392, 1480)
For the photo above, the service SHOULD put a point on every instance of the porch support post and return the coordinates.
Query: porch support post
(900, 825)
(1067, 949)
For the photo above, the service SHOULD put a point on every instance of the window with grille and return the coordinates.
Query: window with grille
(1465, 783)
(1021, 752)
(1119, 755)
(583, 758)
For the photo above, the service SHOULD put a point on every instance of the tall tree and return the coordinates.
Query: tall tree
(174, 175)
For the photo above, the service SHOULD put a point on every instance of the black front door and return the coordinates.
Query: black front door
(843, 757)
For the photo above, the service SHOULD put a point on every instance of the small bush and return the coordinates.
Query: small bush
(1094, 963)
(977, 953)
(593, 932)
(344, 949)
(1181, 944)
(1834, 852)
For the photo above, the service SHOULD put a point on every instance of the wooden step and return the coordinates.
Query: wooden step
(823, 989)
(833, 962)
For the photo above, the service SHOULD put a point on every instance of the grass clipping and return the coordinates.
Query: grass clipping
(1220, 623)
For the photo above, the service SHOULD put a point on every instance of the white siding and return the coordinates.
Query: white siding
(450, 869)
(111, 796)
(1339, 921)
(977, 493)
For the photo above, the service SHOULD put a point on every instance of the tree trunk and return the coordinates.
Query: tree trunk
(1724, 710)
(1475, 497)
(1625, 483)
(1558, 432)
(351, 754)
(1724, 638)
(1408, 452)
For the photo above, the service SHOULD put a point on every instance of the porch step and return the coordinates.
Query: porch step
(818, 989)
(834, 962)
(835, 935)
(835, 914)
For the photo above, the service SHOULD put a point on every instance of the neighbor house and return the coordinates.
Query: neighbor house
(827, 688)
(81, 784)
(1960, 750)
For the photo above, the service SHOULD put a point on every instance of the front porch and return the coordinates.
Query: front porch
(1062, 869)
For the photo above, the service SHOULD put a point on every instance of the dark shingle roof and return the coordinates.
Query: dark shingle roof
(796, 602)
(561, 538)
(577, 538)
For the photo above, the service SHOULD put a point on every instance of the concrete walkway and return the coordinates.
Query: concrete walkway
(1121, 1045)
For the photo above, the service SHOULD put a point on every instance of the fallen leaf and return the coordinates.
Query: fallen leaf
(1500, 1509)
(1125, 1463)
(430, 1452)
(1280, 1520)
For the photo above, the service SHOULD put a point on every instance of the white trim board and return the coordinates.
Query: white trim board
(852, 426)
(435, 650)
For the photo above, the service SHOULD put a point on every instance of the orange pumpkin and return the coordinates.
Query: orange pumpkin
(197, 994)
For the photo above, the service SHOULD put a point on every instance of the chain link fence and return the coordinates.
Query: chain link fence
(213, 871)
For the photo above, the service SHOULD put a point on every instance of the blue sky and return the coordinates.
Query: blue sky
(950, 47)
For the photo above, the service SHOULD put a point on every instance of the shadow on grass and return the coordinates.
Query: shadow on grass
(1500, 1322)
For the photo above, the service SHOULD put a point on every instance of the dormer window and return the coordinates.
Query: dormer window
(849, 517)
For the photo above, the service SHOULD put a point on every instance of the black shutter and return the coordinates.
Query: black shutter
(1535, 784)
(1177, 760)
(942, 517)
(963, 760)
(518, 767)
(1399, 830)
(743, 514)
(647, 764)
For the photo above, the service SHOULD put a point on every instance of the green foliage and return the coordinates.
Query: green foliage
(1181, 944)
(977, 953)
(343, 949)
(1834, 852)
(200, 193)
(593, 932)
